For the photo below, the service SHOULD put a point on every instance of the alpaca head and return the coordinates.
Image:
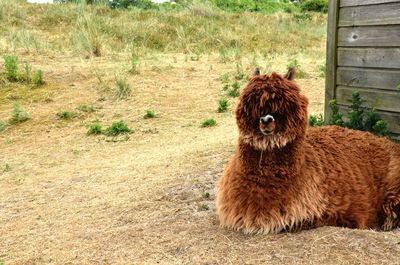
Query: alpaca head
(271, 112)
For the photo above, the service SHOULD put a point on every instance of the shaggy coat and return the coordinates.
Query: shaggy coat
(287, 177)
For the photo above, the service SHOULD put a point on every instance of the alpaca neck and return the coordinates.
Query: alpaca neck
(279, 163)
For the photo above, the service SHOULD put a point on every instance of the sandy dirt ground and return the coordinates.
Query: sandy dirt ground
(69, 198)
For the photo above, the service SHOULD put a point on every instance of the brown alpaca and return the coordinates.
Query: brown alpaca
(287, 177)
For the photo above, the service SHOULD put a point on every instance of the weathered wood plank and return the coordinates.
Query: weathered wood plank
(344, 3)
(385, 14)
(331, 58)
(373, 36)
(393, 119)
(369, 57)
(368, 78)
(379, 99)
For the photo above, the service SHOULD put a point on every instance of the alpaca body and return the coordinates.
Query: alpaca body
(292, 178)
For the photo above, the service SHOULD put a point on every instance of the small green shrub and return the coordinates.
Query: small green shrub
(223, 105)
(356, 113)
(117, 128)
(335, 117)
(123, 89)
(149, 114)
(208, 123)
(142, 4)
(134, 62)
(11, 67)
(38, 78)
(66, 115)
(314, 5)
(86, 108)
(235, 90)
(316, 120)
(95, 129)
(19, 114)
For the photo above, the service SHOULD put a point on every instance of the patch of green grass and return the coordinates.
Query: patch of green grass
(239, 74)
(149, 114)
(208, 123)
(66, 115)
(322, 70)
(223, 105)
(27, 73)
(95, 129)
(117, 128)
(19, 114)
(123, 89)
(38, 78)
(11, 67)
(235, 90)
(86, 108)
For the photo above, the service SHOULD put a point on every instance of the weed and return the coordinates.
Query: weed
(123, 89)
(3, 125)
(86, 108)
(223, 105)
(239, 75)
(6, 169)
(225, 87)
(66, 115)
(335, 117)
(95, 128)
(235, 91)
(316, 120)
(27, 73)
(223, 55)
(149, 114)
(11, 67)
(117, 128)
(134, 61)
(38, 78)
(356, 113)
(206, 195)
(322, 70)
(208, 123)
(19, 114)
(224, 78)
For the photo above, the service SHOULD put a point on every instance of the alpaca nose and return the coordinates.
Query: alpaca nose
(267, 119)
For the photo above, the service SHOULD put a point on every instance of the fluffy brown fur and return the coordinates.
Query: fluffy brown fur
(286, 177)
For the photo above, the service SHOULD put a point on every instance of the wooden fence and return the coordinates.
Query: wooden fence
(363, 54)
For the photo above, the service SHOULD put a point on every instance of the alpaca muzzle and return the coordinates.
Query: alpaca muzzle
(267, 124)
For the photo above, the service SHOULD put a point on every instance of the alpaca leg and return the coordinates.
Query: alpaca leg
(391, 210)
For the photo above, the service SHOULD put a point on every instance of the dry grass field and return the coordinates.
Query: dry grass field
(146, 197)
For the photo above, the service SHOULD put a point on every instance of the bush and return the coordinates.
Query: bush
(86, 108)
(223, 105)
(38, 78)
(208, 123)
(19, 114)
(123, 89)
(95, 128)
(315, 5)
(117, 128)
(149, 114)
(3, 125)
(143, 4)
(66, 115)
(235, 91)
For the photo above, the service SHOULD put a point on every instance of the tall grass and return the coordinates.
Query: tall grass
(197, 28)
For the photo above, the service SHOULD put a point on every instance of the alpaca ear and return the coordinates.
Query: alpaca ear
(291, 73)
(256, 71)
